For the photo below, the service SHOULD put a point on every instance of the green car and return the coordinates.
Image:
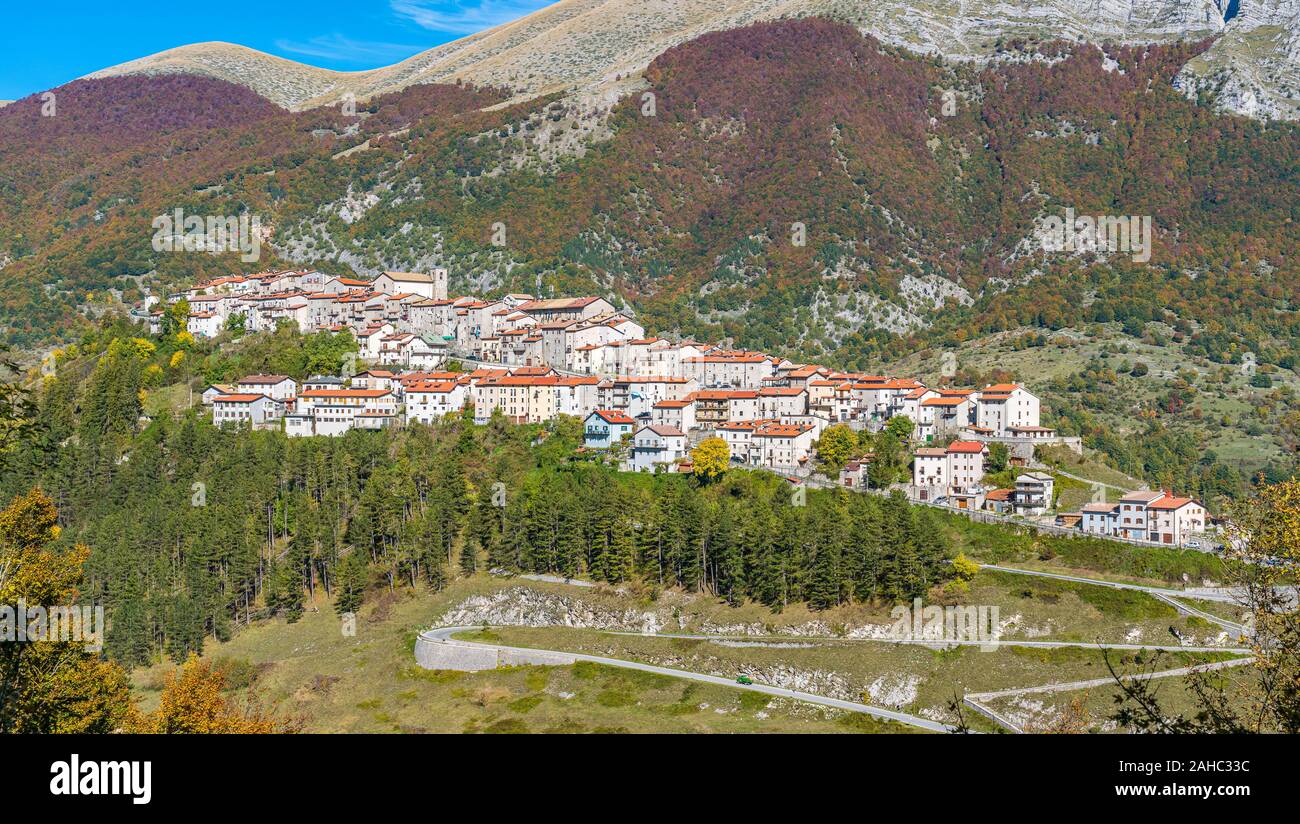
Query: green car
(744, 679)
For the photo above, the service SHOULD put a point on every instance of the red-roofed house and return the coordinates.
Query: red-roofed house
(957, 470)
(1147, 515)
(782, 401)
(606, 427)
(280, 387)
(781, 446)
(251, 409)
(427, 401)
(334, 411)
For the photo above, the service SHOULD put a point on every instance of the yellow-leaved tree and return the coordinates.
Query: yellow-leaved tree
(53, 685)
(711, 458)
(194, 701)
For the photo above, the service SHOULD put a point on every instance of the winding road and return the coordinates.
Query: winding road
(443, 635)
(1169, 596)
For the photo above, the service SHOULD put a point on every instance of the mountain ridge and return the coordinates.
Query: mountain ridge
(599, 46)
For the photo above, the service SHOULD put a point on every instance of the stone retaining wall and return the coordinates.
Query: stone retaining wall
(433, 654)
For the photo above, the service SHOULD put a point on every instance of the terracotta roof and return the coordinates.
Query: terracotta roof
(431, 387)
(556, 304)
(727, 359)
(966, 446)
(806, 371)
(780, 430)
(416, 377)
(1170, 502)
(613, 416)
(410, 277)
(1142, 496)
(725, 394)
(241, 398)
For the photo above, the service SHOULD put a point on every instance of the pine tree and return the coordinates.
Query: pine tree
(353, 576)
(469, 552)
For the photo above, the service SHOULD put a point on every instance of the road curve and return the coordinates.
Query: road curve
(1169, 596)
(443, 635)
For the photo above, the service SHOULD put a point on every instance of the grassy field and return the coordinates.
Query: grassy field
(370, 683)
(1066, 459)
(169, 399)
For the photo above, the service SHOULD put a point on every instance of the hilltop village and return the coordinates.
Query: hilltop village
(644, 400)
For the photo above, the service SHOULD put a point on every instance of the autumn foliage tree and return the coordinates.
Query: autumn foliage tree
(194, 701)
(54, 685)
(836, 446)
(1263, 696)
(711, 458)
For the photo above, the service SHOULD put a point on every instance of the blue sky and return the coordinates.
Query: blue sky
(48, 42)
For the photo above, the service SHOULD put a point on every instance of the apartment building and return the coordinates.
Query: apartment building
(1001, 407)
(252, 410)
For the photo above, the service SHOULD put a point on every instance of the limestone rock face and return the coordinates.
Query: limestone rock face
(599, 46)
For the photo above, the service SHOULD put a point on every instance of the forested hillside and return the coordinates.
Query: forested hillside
(916, 186)
(80, 188)
(195, 530)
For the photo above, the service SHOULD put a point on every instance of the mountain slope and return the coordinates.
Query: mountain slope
(917, 223)
(593, 45)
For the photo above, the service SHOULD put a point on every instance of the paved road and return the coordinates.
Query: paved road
(1089, 481)
(1208, 596)
(933, 642)
(975, 700)
(1169, 596)
(444, 634)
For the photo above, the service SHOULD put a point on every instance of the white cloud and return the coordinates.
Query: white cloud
(338, 47)
(464, 16)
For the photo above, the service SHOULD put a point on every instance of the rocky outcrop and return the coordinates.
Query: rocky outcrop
(524, 607)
